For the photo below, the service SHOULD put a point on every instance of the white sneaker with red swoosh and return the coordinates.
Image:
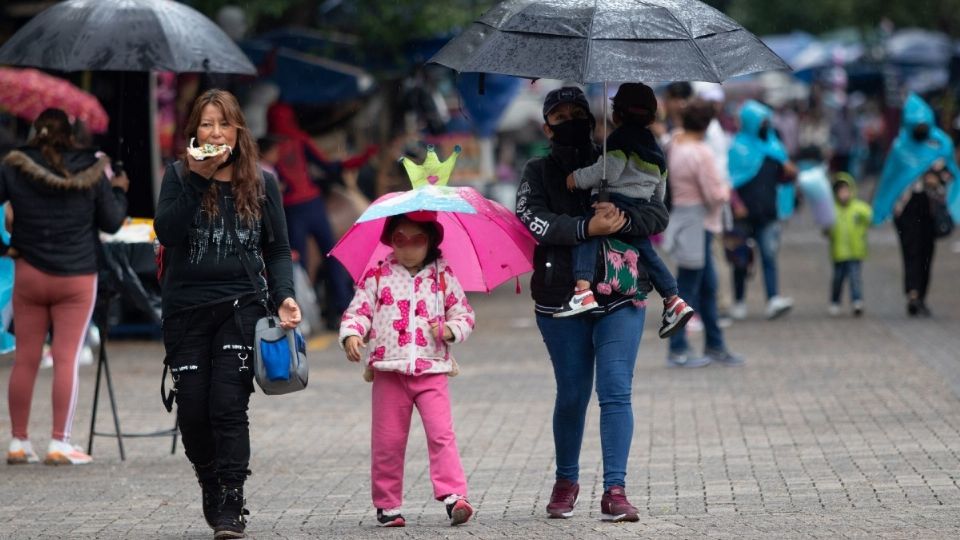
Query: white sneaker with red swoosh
(676, 314)
(63, 453)
(582, 301)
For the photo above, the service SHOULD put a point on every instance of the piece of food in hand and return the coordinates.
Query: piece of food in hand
(204, 151)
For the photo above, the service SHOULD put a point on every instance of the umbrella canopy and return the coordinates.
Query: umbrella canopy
(483, 242)
(124, 35)
(307, 78)
(920, 47)
(608, 40)
(27, 92)
(484, 248)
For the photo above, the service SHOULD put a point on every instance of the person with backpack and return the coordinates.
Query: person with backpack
(215, 216)
(762, 175)
(60, 198)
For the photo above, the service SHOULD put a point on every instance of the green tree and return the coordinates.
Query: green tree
(255, 10)
(818, 16)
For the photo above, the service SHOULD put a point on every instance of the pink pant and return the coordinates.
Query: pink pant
(394, 396)
(39, 301)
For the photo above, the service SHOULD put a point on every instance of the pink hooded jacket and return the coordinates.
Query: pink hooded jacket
(394, 317)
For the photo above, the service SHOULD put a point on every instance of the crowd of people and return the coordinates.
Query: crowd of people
(670, 176)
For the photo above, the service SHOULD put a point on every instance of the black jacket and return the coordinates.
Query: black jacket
(760, 194)
(201, 263)
(555, 216)
(56, 217)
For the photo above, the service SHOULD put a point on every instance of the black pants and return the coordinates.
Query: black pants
(212, 368)
(915, 229)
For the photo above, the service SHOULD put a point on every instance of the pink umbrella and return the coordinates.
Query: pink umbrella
(484, 249)
(27, 92)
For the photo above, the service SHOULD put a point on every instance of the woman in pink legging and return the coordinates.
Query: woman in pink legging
(60, 198)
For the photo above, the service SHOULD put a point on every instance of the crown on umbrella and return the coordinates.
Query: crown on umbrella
(432, 172)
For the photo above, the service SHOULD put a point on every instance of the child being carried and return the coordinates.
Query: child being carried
(637, 172)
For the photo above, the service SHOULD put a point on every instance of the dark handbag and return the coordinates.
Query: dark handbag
(940, 215)
(279, 356)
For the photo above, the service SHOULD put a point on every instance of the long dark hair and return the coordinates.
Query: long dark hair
(431, 228)
(54, 136)
(247, 188)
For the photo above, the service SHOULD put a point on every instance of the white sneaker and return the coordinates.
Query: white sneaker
(580, 302)
(46, 358)
(93, 336)
(63, 453)
(695, 324)
(739, 311)
(857, 308)
(834, 310)
(778, 305)
(86, 356)
(21, 452)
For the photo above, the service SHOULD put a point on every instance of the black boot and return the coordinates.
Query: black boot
(232, 520)
(210, 492)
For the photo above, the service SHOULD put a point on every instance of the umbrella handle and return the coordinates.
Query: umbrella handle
(603, 193)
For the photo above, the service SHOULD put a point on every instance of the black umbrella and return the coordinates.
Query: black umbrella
(608, 40)
(124, 35)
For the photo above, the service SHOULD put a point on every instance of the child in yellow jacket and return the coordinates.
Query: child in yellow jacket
(848, 242)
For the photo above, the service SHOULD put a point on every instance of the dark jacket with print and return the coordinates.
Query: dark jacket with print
(555, 216)
(56, 217)
(202, 265)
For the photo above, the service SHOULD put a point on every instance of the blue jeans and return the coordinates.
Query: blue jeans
(310, 219)
(585, 264)
(841, 271)
(767, 236)
(699, 288)
(578, 348)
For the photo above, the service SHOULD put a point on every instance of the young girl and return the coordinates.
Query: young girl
(409, 309)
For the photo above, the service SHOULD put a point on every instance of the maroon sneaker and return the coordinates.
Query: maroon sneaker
(616, 508)
(563, 499)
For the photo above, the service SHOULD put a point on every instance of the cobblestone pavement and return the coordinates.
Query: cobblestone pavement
(835, 428)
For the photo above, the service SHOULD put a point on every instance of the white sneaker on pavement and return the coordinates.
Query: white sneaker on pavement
(834, 310)
(695, 324)
(20, 452)
(738, 311)
(778, 306)
(63, 453)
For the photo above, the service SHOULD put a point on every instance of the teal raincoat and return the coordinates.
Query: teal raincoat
(909, 159)
(748, 152)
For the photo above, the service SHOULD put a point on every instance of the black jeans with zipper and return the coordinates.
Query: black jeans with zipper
(212, 365)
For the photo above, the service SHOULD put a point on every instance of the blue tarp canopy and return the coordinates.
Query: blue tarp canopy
(306, 78)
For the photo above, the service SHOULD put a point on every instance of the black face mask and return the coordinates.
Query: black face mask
(921, 132)
(576, 133)
(764, 131)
